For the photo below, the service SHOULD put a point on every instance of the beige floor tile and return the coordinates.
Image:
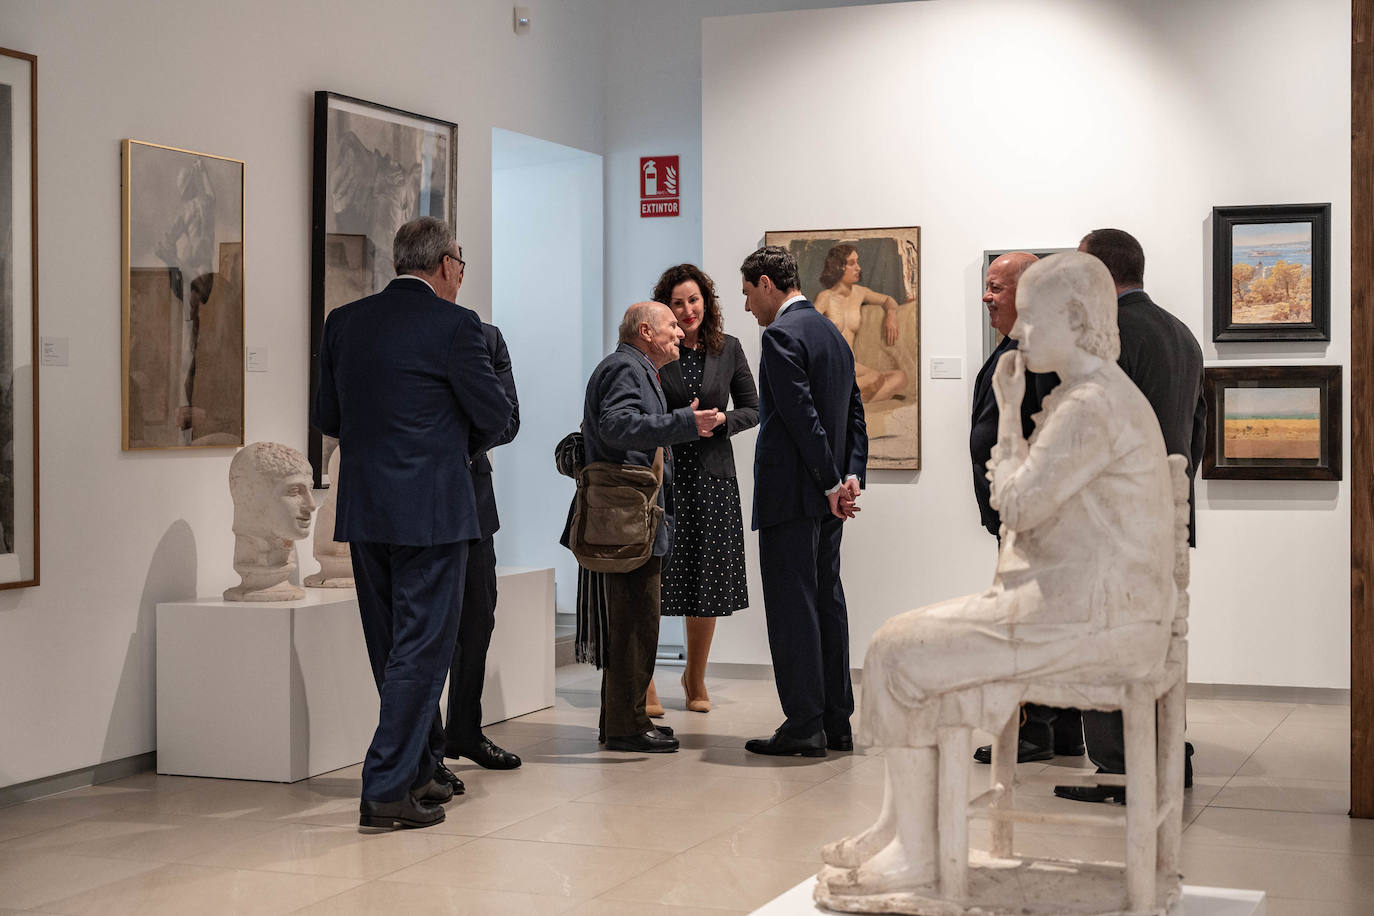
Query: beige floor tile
(1323, 716)
(540, 776)
(479, 813)
(342, 852)
(33, 879)
(180, 889)
(588, 752)
(262, 801)
(706, 793)
(1284, 830)
(544, 730)
(1307, 752)
(1273, 793)
(56, 810)
(434, 900)
(1282, 872)
(153, 838)
(736, 762)
(1238, 712)
(622, 825)
(604, 907)
(1221, 749)
(831, 799)
(698, 880)
(1286, 906)
(792, 838)
(556, 869)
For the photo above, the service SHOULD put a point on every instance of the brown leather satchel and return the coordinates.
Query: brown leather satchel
(615, 515)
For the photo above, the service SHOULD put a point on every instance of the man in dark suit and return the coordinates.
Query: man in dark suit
(809, 465)
(462, 736)
(1045, 731)
(406, 384)
(1163, 358)
(625, 420)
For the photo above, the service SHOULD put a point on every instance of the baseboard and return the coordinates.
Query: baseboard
(1319, 696)
(108, 771)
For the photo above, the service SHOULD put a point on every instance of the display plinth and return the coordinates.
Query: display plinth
(282, 691)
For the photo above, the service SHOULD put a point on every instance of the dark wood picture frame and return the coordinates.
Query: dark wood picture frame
(1326, 465)
(383, 166)
(1225, 221)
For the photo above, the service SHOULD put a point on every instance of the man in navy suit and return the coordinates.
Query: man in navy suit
(809, 465)
(406, 384)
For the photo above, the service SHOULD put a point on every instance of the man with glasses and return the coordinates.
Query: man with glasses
(407, 386)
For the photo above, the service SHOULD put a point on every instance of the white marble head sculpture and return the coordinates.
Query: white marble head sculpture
(270, 485)
(1068, 292)
(336, 563)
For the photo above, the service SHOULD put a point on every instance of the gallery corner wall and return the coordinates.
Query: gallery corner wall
(995, 124)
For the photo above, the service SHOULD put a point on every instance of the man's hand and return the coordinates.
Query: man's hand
(720, 417)
(852, 485)
(706, 419)
(842, 504)
(890, 327)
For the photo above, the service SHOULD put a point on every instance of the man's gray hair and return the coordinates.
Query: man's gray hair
(420, 245)
(635, 315)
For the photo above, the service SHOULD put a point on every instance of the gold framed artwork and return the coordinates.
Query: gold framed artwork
(868, 281)
(19, 541)
(183, 298)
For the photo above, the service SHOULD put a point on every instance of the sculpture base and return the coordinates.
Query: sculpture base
(282, 591)
(1020, 886)
(320, 580)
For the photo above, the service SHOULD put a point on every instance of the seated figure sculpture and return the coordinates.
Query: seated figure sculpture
(1084, 588)
(336, 562)
(270, 485)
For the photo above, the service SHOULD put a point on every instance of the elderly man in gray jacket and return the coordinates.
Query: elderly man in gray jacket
(625, 420)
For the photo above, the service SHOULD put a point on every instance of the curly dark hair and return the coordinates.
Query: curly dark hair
(712, 331)
(834, 264)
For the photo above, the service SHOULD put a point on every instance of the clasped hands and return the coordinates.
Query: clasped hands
(844, 501)
(707, 420)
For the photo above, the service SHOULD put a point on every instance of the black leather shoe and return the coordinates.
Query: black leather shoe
(1187, 764)
(408, 812)
(488, 755)
(1115, 794)
(663, 730)
(444, 776)
(651, 742)
(1026, 752)
(433, 791)
(841, 743)
(781, 745)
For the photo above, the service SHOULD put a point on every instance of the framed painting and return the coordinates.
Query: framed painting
(991, 336)
(375, 169)
(1271, 272)
(1273, 423)
(868, 281)
(183, 298)
(18, 319)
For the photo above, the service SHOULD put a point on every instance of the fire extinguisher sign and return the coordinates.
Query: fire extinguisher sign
(658, 186)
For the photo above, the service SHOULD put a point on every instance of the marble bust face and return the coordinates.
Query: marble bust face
(270, 486)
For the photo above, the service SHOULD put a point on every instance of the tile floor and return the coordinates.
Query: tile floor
(708, 830)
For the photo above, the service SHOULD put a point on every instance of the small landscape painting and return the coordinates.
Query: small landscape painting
(1272, 423)
(1271, 273)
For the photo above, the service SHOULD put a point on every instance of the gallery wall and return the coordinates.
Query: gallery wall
(123, 531)
(995, 124)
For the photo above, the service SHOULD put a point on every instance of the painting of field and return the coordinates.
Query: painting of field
(1271, 273)
(1272, 423)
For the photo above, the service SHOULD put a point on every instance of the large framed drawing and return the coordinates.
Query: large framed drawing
(1273, 423)
(991, 336)
(1271, 272)
(183, 298)
(18, 319)
(376, 168)
(868, 281)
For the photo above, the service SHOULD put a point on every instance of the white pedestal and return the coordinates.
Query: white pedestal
(282, 691)
(1197, 901)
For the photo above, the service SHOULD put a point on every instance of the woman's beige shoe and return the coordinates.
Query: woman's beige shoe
(702, 705)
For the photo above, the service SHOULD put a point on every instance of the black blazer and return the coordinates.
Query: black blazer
(406, 385)
(726, 377)
(811, 419)
(487, 519)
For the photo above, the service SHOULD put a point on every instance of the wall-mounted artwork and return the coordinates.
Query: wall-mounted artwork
(867, 281)
(991, 336)
(18, 319)
(376, 168)
(183, 298)
(1273, 423)
(1271, 272)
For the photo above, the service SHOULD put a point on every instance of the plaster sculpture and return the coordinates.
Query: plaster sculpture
(336, 563)
(270, 486)
(1084, 593)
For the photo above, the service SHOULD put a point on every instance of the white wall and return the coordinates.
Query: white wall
(121, 532)
(998, 124)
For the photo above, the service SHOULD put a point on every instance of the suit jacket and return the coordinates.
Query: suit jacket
(625, 420)
(1164, 360)
(406, 384)
(983, 428)
(487, 519)
(811, 429)
(726, 377)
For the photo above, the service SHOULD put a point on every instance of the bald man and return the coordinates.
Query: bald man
(625, 420)
(1045, 732)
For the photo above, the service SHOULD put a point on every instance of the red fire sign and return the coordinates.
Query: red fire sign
(658, 186)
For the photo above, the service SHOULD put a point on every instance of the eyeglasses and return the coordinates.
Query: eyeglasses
(462, 265)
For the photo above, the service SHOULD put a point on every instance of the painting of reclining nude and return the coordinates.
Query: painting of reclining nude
(183, 299)
(867, 281)
(376, 169)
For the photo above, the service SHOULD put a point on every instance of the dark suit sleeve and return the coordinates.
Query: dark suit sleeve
(500, 363)
(626, 425)
(789, 389)
(474, 382)
(743, 394)
(857, 437)
(324, 412)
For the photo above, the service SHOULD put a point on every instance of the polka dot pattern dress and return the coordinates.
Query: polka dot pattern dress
(705, 574)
